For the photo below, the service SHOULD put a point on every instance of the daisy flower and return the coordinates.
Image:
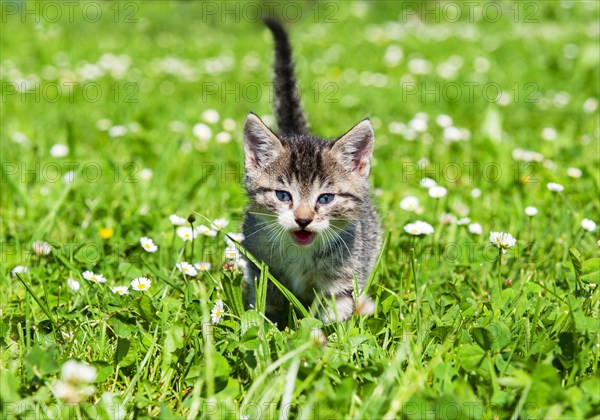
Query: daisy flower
(231, 252)
(76, 372)
(41, 248)
(206, 231)
(202, 132)
(141, 284)
(202, 266)
(553, 186)
(176, 220)
(531, 211)
(187, 269)
(73, 284)
(475, 193)
(219, 224)
(211, 116)
(148, 244)
(120, 290)
(437, 191)
(19, 269)
(67, 336)
(94, 278)
(186, 233)
(447, 218)
(234, 237)
(419, 228)
(409, 203)
(217, 312)
(574, 173)
(588, 225)
(463, 221)
(427, 183)
(475, 229)
(502, 240)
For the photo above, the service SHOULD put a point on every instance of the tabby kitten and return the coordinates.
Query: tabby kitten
(310, 217)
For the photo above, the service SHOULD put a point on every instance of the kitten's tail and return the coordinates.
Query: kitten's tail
(288, 108)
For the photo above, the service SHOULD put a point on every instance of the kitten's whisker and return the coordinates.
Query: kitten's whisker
(261, 229)
(342, 230)
(262, 214)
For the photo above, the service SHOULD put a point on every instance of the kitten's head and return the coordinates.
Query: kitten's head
(307, 187)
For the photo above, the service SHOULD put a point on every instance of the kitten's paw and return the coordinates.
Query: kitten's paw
(344, 307)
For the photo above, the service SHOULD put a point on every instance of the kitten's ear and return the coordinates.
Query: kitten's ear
(355, 148)
(261, 146)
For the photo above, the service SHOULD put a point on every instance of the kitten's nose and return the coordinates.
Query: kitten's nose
(303, 222)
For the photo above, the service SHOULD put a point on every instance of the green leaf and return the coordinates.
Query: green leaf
(470, 356)
(483, 337)
(590, 270)
(40, 361)
(103, 369)
(124, 328)
(126, 352)
(147, 309)
(576, 261)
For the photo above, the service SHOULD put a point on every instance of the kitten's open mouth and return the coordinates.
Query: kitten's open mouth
(303, 237)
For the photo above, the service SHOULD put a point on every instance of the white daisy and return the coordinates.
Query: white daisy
(210, 116)
(427, 183)
(235, 237)
(41, 248)
(223, 137)
(231, 252)
(437, 191)
(475, 193)
(176, 220)
(117, 131)
(553, 186)
(463, 221)
(588, 225)
(229, 124)
(141, 284)
(202, 132)
(443, 120)
(217, 312)
(67, 336)
(77, 373)
(502, 240)
(202, 266)
(419, 228)
(120, 290)
(531, 211)
(186, 233)
(475, 229)
(146, 174)
(187, 269)
(219, 224)
(59, 150)
(148, 244)
(73, 284)
(447, 218)
(574, 172)
(94, 278)
(409, 203)
(206, 231)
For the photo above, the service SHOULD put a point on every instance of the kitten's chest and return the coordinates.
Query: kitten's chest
(303, 273)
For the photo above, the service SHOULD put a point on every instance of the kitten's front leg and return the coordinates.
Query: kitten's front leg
(340, 307)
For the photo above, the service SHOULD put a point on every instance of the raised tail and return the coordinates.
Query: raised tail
(288, 108)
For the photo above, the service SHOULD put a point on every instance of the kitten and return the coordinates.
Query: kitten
(310, 217)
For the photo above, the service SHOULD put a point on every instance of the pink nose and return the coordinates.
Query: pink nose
(303, 222)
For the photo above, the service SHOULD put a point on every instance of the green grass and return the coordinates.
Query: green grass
(442, 343)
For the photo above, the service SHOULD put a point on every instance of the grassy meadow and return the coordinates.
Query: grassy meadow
(118, 115)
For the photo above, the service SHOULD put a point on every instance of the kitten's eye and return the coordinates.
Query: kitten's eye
(325, 198)
(283, 195)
